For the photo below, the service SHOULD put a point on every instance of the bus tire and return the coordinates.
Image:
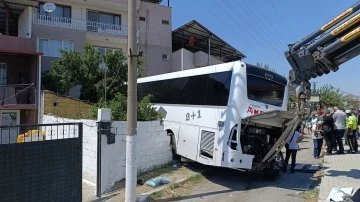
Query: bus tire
(173, 146)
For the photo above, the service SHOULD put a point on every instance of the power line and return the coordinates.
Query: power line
(282, 19)
(263, 25)
(236, 33)
(276, 44)
(267, 20)
(245, 30)
(236, 12)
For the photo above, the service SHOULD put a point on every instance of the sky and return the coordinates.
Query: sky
(262, 29)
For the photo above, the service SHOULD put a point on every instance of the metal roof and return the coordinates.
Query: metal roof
(153, 1)
(15, 7)
(218, 47)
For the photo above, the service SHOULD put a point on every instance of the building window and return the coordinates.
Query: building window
(142, 18)
(60, 12)
(51, 47)
(103, 20)
(3, 73)
(103, 51)
(165, 57)
(165, 22)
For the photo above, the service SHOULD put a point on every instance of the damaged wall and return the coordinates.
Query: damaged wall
(152, 149)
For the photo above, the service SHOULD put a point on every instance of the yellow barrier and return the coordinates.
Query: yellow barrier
(31, 136)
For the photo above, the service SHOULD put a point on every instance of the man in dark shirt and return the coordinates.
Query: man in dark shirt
(328, 128)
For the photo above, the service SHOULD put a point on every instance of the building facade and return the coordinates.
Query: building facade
(101, 23)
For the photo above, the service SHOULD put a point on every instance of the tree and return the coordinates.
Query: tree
(267, 67)
(73, 69)
(118, 106)
(330, 97)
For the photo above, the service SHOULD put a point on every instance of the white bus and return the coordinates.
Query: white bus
(206, 112)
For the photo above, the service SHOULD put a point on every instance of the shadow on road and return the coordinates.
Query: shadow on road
(353, 173)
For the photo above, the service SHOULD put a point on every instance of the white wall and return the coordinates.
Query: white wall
(201, 58)
(155, 37)
(89, 141)
(152, 149)
(24, 23)
(183, 59)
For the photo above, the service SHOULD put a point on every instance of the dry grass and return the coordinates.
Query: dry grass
(311, 195)
(175, 191)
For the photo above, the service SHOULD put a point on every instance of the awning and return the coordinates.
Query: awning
(218, 47)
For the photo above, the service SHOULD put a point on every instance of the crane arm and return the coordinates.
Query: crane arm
(326, 49)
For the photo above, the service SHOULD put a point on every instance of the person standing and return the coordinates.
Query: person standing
(292, 147)
(317, 136)
(351, 125)
(328, 128)
(339, 130)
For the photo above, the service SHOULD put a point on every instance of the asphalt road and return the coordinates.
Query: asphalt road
(228, 185)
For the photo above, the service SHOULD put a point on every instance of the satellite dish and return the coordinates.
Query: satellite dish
(49, 7)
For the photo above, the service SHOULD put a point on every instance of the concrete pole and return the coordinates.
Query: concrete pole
(39, 100)
(131, 170)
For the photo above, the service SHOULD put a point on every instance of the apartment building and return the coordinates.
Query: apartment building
(19, 76)
(102, 23)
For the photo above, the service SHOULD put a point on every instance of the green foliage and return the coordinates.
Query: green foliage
(267, 67)
(118, 106)
(73, 69)
(291, 99)
(330, 97)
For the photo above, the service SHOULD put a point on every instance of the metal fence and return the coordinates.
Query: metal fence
(41, 162)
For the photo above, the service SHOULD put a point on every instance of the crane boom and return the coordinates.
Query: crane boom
(325, 49)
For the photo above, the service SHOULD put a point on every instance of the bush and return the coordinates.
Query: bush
(118, 107)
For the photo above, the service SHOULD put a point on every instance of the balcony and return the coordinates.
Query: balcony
(21, 96)
(81, 25)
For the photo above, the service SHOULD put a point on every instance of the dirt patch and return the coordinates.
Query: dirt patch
(167, 170)
(310, 195)
(175, 191)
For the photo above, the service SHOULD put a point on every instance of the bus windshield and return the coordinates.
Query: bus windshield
(265, 91)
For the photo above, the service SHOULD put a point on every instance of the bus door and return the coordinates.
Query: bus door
(208, 146)
(232, 155)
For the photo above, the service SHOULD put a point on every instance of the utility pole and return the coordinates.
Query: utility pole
(314, 84)
(131, 170)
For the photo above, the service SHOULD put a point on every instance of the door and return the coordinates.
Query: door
(207, 148)
(8, 119)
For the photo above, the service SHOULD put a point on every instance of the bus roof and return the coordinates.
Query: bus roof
(193, 72)
(208, 70)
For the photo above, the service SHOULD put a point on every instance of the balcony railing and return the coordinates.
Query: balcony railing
(83, 25)
(17, 94)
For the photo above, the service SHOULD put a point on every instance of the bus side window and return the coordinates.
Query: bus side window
(232, 142)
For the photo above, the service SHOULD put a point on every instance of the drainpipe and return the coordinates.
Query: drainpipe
(182, 58)
(209, 50)
(39, 91)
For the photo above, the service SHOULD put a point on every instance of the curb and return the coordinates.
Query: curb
(142, 197)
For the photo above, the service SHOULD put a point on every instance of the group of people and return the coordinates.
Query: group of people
(332, 125)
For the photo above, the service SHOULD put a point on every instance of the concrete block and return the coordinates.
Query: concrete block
(104, 115)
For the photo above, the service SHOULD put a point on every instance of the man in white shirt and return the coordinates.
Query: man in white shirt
(339, 126)
(292, 147)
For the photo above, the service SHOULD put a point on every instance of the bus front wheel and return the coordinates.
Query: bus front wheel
(173, 146)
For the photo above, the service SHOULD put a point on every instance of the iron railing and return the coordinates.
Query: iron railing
(83, 25)
(41, 132)
(14, 94)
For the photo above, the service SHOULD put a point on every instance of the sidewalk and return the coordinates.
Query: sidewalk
(340, 171)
